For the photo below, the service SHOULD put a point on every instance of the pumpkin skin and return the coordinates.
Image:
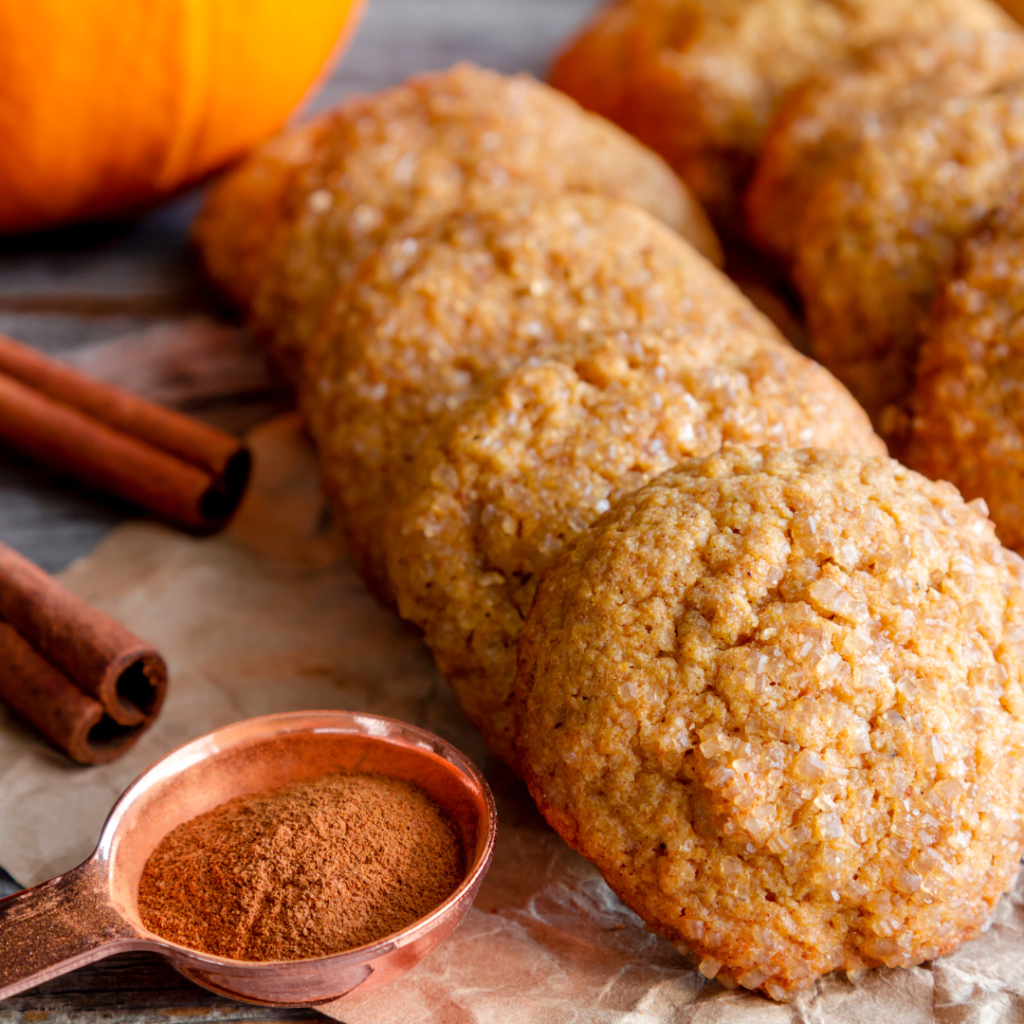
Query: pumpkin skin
(108, 105)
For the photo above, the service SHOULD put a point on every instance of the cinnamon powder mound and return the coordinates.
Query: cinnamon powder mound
(303, 870)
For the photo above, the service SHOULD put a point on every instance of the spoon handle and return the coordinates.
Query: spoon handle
(55, 927)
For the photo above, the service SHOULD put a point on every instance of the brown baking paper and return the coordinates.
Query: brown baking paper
(271, 617)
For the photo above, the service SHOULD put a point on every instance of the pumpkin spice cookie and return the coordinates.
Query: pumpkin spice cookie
(819, 123)
(245, 207)
(968, 403)
(882, 230)
(429, 317)
(393, 162)
(776, 697)
(699, 80)
(541, 452)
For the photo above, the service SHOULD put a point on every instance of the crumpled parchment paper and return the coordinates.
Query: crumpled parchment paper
(271, 617)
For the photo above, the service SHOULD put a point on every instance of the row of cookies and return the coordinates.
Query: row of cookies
(699, 81)
(873, 152)
(468, 419)
(280, 233)
(901, 174)
(770, 694)
(490, 385)
(777, 696)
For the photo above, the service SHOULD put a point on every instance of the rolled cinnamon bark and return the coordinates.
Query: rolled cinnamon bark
(78, 676)
(180, 470)
(50, 702)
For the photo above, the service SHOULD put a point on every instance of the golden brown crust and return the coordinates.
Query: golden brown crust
(430, 316)
(396, 161)
(819, 123)
(244, 208)
(539, 453)
(776, 698)
(883, 228)
(968, 403)
(699, 80)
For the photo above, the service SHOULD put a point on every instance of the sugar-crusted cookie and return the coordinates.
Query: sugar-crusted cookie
(820, 122)
(776, 698)
(541, 452)
(967, 408)
(882, 231)
(431, 316)
(699, 80)
(284, 229)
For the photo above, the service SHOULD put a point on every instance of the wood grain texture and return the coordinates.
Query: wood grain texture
(400, 37)
(139, 988)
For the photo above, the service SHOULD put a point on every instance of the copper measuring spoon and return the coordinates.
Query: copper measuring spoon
(92, 911)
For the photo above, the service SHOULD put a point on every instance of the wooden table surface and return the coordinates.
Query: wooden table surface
(126, 303)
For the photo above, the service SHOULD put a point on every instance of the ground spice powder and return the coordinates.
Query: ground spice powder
(303, 870)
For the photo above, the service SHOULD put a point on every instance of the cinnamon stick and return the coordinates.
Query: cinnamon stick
(182, 471)
(83, 680)
(52, 704)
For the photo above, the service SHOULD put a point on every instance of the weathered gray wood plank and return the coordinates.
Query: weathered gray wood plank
(143, 266)
(136, 987)
(400, 37)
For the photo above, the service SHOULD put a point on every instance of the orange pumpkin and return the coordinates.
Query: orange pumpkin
(106, 105)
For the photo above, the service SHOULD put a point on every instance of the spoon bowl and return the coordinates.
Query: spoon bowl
(92, 911)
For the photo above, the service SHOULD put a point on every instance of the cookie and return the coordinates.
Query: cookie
(244, 208)
(819, 123)
(541, 452)
(699, 80)
(776, 697)
(393, 162)
(968, 401)
(429, 317)
(881, 234)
